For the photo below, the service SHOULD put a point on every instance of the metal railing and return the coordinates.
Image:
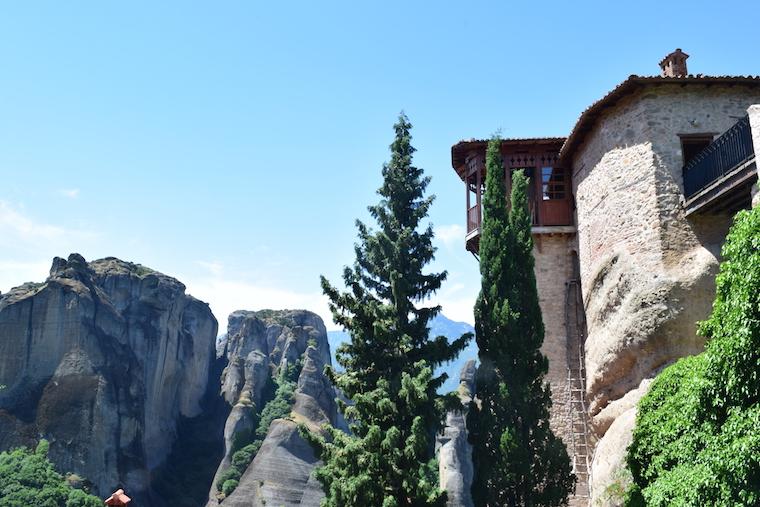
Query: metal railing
(720, 157)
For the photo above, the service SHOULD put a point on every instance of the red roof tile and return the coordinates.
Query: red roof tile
(588, 118)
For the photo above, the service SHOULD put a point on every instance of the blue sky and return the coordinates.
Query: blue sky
(233, 144)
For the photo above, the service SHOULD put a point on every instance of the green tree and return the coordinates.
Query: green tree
(697, 435)
(388, 460)
(518, 461)
(28, 478)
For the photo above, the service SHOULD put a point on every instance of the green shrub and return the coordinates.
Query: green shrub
(229, 486)
(233, 473)
(27, 478)
(697, 435)
(78, 498)
(244, 456)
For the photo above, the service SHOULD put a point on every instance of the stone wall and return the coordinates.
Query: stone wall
(754, 123)
(647, 271)
(553, 269)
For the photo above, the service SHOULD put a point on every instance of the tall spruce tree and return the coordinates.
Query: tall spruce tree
(395, 411)
(518, 461)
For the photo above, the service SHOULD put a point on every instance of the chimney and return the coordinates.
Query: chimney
(674, 65)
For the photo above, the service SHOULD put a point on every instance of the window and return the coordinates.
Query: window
(691, 145)
(553, 183)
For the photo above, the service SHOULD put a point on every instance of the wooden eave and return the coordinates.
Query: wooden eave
(461, 149)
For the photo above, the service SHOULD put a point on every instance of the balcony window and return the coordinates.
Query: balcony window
(553, 183)
(692, 144)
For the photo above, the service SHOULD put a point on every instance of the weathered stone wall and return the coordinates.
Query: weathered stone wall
(754, 123)
(647, 271)
(553, 269)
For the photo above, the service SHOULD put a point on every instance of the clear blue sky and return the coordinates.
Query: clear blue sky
(232, 144)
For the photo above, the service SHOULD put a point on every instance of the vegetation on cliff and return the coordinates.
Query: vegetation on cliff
(697, 435)
(518, 461)
(388, 460)
(248, 445)
(28, 478)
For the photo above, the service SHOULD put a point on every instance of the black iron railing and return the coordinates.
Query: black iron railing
(720, 157)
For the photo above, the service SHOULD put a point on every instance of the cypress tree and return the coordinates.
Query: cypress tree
(395, 411)
(518, 461)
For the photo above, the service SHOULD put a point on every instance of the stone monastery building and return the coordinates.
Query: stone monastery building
(629, 215)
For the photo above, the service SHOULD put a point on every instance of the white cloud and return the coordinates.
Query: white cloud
(13, 274)
(458, 309)
(28, 246)
(216, 268)
(457, 301)
(450, 235)
(226, 295)
(14, 225)
(71, 193)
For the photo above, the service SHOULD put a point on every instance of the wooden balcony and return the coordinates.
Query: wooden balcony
(719, 178)
(473, 219)
(549, 189)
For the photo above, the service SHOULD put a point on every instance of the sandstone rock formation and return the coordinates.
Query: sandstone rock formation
(454, 452)
(647, 269)
(258, 346)
(103, 359)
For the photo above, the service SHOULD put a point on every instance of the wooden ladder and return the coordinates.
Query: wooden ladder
(580, 446)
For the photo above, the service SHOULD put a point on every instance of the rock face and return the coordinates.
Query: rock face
(258, 346)
(103, 359)
(454, 452)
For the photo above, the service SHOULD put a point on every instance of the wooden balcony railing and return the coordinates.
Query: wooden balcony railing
(729, 151)
(473, 219)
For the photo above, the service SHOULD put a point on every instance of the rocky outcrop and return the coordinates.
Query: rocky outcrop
(259, 345)
(609, 473)
(638, 322)
(647, 269)
(454, 452)
(103, 359)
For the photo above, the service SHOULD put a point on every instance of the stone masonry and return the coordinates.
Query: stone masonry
(647, 271)
(754, 122)
(553, 269)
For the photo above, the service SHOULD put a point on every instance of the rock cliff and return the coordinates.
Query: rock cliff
(103, 359)
(454, 452)
(259, 346)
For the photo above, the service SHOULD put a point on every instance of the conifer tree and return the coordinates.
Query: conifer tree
(395, 411)
(518, 461)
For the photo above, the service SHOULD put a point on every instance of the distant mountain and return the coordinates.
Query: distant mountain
(440, 325)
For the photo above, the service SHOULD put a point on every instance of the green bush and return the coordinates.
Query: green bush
(27, 478)
(244, 456)
(697, 435)
(232, 473)
(229, 486)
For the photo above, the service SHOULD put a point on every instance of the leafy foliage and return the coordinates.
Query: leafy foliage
(28, 478)
(388, 460)
(697, 435)
(518, 461)
(276, 408)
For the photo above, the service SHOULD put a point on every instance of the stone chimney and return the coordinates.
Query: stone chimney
(674, 65)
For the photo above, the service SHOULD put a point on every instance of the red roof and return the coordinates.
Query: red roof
(118, 498)
(588, 118)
